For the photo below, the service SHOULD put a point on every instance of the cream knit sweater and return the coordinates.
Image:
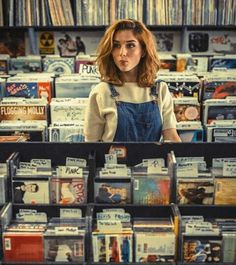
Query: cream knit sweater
(101, 112)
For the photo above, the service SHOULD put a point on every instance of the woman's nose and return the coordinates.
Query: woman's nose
(123, 51)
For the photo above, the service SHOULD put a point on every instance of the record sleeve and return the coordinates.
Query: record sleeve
(195, 191)
(202, 250)
(112, 192)
(225, 191)
(155, 247)
(186, 109)
(112, 247)
(68, 190)
(229, 247)
(23, 246)
(30, 191)
(64, 248)
(151, 190)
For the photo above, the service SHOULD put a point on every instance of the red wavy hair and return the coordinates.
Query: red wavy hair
(149, 63)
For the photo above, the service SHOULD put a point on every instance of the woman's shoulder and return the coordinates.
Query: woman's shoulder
(101, 87)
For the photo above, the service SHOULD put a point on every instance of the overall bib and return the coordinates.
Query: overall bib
(137, 122)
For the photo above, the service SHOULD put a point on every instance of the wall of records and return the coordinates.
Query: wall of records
(105, 203)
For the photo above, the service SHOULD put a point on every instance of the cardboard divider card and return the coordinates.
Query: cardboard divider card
(187, 170)
(70, 213)
(69, 171)
(73, 161)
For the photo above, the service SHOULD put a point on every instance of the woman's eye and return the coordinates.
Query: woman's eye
(116, 45)
(130, 45)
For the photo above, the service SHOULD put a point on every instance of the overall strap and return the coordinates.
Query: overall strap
(114, 93)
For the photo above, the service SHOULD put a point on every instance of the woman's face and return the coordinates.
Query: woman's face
(127, 51)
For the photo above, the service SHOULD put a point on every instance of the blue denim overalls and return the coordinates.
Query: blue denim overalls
(137, 122)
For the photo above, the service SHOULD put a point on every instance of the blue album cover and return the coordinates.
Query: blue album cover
(112, 192)
(201, 250)
(26, 89)
(151, 190)
(60, 65)
(222, 63)
(26, 65)
(191, 135)
(218, 89)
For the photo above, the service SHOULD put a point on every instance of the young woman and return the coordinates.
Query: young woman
(129, 105)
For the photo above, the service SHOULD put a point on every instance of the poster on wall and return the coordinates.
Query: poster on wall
(212, 42)
(46, 43)
(12, 43)
(167, 41)
(68, 43)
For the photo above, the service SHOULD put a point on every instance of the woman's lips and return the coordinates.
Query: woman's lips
(123, 62)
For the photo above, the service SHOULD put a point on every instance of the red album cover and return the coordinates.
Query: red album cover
(68, 190)
(23, 247)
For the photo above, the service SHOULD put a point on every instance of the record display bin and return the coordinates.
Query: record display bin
(140, 212)
(209, 212)
(95, 155)
(9, 211)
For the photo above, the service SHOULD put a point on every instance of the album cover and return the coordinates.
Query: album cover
(187, 109)
(215, 87)
(151, 190)
(224, 128)
(165, 41)
(68, 190)
(168, 62)
(23, 112)
(223, 61)
(82, 43)
(198, 42)
(21, 135)
(12, 43)
(202, 250)
(30, 191)
(12, 138)
(229, 246)
(195, 191)
(68, 109)
(219, 109)
(190, 131)
(225, 191)
(74, 86)
(112, 192)
(184, 62)
(182, 85)
(26, 64)
(70, 132)
(112, 247)
(199, 64)
(83, 60)
(224, 134)
(58, 65)
(191, 135)
(24, 130)
(64, 248)
(29, 87)
(155, 247)
(23, 246)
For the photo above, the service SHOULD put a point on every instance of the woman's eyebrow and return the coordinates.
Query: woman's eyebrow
(117, 41)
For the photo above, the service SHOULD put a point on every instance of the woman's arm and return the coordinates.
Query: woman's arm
(171, 135)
